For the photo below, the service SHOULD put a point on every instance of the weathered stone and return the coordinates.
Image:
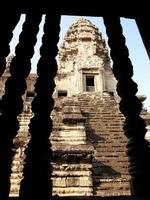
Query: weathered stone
(88, 143)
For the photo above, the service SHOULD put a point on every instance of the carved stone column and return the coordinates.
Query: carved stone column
(12, 102)
(36, 183)
(138, 149)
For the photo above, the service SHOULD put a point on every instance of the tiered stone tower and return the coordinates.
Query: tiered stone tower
(84, 65)
(89, 147)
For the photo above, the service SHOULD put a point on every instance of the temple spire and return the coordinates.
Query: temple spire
(83, 62)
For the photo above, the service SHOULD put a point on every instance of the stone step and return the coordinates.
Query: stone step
(56, 197)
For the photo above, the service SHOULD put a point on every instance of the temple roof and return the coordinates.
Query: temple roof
(82, 25)
(82, 33)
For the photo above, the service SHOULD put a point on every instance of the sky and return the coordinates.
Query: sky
(137, 52)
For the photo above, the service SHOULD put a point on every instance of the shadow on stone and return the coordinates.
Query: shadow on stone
(102, 173)
(91, 136)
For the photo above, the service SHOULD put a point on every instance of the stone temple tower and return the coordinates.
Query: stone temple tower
(84, 65)
(88, 144)
(88, 141)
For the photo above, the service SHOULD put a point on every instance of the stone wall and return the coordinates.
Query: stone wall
(94, 163)
(104, 131)
(91, 159)
(89, 147)
(72, 156)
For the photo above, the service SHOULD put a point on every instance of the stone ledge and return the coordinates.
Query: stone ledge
(86, 198)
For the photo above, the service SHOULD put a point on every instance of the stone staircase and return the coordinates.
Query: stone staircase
(104, 130)
(98, 133)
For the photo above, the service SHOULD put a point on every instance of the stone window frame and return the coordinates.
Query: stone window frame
(84, 81)
(90, 88)
(60, 92)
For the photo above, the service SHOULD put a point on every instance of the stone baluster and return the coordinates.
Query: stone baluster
(134, 126)
(7, 26)
(37, 170)
(12, 102)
